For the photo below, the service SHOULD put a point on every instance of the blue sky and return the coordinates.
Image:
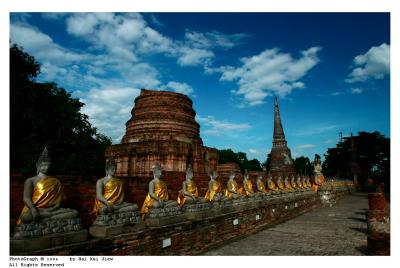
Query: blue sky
(330, 71)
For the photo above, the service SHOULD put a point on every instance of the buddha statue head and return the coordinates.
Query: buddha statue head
(43, 163)
(189, 172)
(157, 170)
(110, 167)
(213, 174)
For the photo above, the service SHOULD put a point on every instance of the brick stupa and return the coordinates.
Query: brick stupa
(163, 129)
(281, 158)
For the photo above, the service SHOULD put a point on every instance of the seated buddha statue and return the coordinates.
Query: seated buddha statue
(280, 184)
(318, 176)
(288, 185)
(308, 181)
(260, 186)
(293, 183)
(110, 193)
(298, 182)
(247, 185)
(303, 182)
(189, 192)
(157, 196)
(271, 184)
(214, 192)
(232, 190)
(43, 195)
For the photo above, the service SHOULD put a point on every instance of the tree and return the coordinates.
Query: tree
(303, 165)
(371, 152)
(229, 156)
(43, 114)
(266, 164)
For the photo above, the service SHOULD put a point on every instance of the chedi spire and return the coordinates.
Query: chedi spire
(281, 158)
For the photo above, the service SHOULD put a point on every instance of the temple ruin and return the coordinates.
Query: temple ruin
(281, 158)
(162, 129)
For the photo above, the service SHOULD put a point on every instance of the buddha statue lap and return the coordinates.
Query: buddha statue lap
(156, 202)
(42, 213)
(109, 206)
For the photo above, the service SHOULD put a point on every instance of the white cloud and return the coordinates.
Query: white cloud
(336, 93)
(108, 109)
(194, 56)
(270, 72)
(42, 46)
(356, 90)
(213, 39)
(220, 128)
(305, 146)
(179, 87)
(375, 64)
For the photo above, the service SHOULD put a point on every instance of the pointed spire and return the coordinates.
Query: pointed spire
(278, 129)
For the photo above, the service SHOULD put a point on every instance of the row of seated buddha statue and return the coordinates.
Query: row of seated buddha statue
(43, 195)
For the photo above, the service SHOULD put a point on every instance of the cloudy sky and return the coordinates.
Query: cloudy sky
(330, 71)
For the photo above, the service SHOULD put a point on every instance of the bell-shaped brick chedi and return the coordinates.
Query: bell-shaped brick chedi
(162, 129)
(281, 159)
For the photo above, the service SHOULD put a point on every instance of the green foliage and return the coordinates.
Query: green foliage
(372, 153)
(303, 165)
(43, 114)
(229, 156)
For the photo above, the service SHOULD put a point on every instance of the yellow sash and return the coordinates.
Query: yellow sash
(113, 192)
(191, 188)
(280, 185)
(47, 192)
(160, 190)
(271, 185)
(249, 186)
(215, 189)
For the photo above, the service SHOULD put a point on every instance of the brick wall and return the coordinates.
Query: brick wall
(195, 236)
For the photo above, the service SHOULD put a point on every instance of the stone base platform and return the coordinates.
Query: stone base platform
(122, 218)
(47, 241)
(101, 231)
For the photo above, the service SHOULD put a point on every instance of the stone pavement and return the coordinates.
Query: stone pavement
(337, 230)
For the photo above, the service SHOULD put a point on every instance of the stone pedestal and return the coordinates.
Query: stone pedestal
(197, 211)
(46, 227)
(116, 223)
(158, 217)
(110, 230)
(117, 218)
(46, 241)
